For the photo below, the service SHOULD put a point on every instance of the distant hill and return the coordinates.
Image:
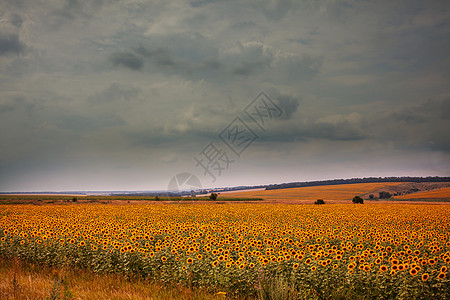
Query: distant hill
(356, 180)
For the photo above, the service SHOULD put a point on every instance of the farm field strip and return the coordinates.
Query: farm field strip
(387, 250)
(437, 193)
(326, 192)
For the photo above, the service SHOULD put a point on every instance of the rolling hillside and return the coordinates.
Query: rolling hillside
(329, 193)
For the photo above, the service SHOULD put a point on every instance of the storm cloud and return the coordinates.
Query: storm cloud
(10, 44)
(123, 95)
(128, 60)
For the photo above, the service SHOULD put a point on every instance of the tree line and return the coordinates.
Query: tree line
(356, 180)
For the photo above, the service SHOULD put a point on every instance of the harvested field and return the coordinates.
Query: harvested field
(330, 193)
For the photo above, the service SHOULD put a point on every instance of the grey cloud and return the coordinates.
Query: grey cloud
(343, 131)
(415, 127)
(64, 15)
(200, 3)
(116, 92)
(437, 108)
(135, 59)
(17, 103)
(211, 64)
(288, 104)
(85, 123)
(243, 25)
(128, 60)
(241, 59)
(76, 122)
(158, 137)
(247, 59)
(246, 68)
(276, 10)
(294, 68)
(316, 130)
(162, 58)
(71, 10)
(16, 20)
(10, 43)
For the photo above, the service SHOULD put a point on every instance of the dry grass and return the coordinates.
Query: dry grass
(329, 193)
(437, 193)
(21, 280)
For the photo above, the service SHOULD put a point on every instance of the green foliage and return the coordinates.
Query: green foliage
(358, 199)
(384, 195)
(213, 196)
(319, 201)
(371, 196)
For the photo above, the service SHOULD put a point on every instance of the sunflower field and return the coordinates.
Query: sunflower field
(372, 251)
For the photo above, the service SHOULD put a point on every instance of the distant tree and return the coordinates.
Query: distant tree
(213, 196)
(74, 199)
(358, 199)
(156, 198)
(371, 196)
(384, 195)
(319, 201)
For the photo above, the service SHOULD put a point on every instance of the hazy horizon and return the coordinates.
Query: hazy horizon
(127, 95)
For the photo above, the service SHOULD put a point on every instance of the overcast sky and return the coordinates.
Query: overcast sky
(124, 95)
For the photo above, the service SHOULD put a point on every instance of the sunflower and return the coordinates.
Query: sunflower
(189, 260)
(383, 268)
(441, 275)
(413, 272)
(163, 258)
(313, 268)
(425, 277)
(295, 266)
(215, 263)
